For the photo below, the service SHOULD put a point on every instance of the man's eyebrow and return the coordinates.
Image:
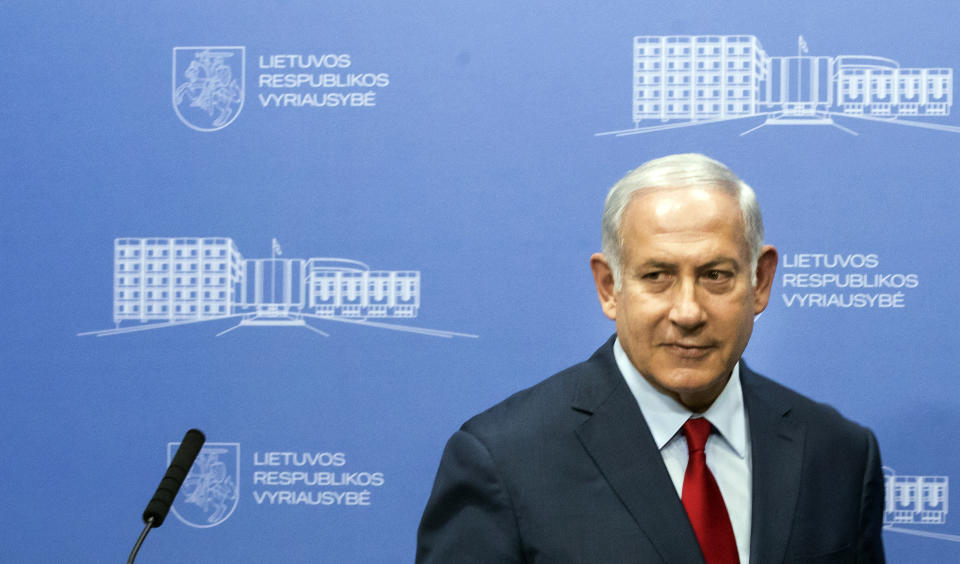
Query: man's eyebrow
(654, 263)
(721, 261)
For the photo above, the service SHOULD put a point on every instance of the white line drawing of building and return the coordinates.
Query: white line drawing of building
(167, 281)
(683, 80)
(916, 500)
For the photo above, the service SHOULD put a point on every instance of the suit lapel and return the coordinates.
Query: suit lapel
(618, 440)
(777, 445)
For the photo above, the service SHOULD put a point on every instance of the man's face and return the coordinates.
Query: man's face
(685, 310)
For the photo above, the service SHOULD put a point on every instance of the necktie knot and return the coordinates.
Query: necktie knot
(697, 432)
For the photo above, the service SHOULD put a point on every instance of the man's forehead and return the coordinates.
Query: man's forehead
(680, 215)
(671, 208)
(695, 194)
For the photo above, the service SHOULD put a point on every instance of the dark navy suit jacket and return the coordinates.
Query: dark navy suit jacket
(568, 472)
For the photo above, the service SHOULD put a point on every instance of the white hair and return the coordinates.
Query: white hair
(679, 171)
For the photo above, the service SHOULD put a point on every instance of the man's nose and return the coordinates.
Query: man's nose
(686, 311)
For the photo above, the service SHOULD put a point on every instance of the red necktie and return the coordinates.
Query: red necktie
(702, 499)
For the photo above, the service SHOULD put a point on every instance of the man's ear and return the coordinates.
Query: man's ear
(603, 278)
(766, 268)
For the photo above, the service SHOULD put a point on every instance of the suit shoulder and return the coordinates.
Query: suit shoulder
(551, 394)
(543, 409)
(812, 413)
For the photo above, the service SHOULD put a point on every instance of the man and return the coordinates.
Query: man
(663, 446)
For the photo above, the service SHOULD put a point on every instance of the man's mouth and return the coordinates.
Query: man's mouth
(688, 350)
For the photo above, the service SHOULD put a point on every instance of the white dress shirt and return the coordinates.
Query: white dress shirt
(727, 450)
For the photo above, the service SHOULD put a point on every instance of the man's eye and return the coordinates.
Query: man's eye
(718, 275)
(653, 276)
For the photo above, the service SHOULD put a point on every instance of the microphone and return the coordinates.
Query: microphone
(159, 506)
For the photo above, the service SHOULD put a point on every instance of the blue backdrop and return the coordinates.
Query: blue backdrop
(406, 199)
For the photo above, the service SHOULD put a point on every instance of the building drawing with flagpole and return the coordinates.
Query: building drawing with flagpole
(682, 80)
(165, 281)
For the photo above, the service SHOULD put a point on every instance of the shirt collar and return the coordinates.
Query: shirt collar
(665, 415)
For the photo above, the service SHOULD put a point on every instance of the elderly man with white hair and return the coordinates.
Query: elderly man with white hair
(664, 446)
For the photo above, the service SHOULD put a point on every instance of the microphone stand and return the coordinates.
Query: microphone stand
(143, 537)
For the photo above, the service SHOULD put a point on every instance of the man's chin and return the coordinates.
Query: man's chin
(693, 381)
